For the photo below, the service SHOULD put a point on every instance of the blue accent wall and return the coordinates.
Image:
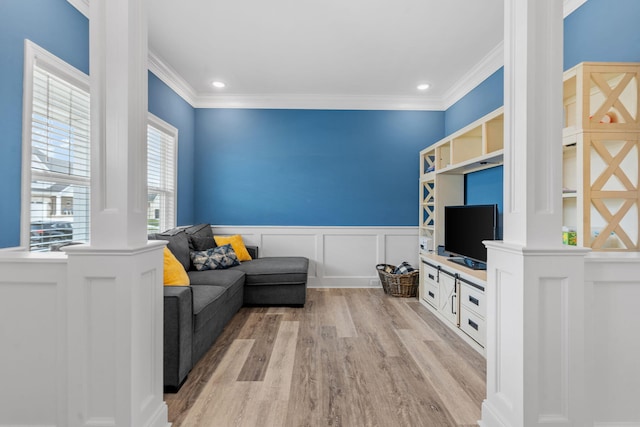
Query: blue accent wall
(603, 30)
(59, 28)
(482, 100)
(170, 107)
(485, 188)
(310, 167)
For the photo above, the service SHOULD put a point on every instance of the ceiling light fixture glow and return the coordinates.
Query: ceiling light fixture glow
(423, 86)
(218, 84)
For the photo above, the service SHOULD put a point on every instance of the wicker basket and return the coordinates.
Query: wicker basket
(398, 285)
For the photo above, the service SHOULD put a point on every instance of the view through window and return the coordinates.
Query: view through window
(60, 158)
(161, 175)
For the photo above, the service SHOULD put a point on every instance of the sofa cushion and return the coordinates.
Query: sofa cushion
(199, 230)
(178, 245)
(208, 301)
(197, 243)
(275, 271)
(223, 278)
(200, 237)
(218, 258)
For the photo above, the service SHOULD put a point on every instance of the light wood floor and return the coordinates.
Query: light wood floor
(350, 357)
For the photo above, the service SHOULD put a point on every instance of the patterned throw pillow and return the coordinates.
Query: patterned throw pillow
(404, 268)
(215, 258)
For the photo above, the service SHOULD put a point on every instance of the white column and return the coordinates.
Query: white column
(115, 292)
(535, 291)
(118, 64)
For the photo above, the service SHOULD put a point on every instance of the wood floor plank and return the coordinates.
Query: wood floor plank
(305, 407)
(264, 333)
(349, 357)
(341, 316)
(459, 403)
(372, 325)
(446, 334)
(469, 378)
(211, 402)
(331, 378)
(413, 319)
(277, 379)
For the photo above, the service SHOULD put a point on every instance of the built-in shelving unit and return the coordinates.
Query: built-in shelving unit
(454, 293)
(601, 196)
(444, 164)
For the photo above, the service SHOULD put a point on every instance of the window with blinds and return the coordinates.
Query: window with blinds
(59, 154)
(161, 175)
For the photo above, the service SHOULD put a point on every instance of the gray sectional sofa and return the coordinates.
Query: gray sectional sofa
(195, 315)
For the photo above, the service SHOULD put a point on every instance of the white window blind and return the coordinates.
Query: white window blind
(161, 175)
(59, 156)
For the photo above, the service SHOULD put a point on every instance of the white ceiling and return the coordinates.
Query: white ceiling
(357, 50)
(325, 53)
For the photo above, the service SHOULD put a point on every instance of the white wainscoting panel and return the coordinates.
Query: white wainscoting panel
(338, 256)
(612, 343)
(277, 244)
(348, 256)
(33, 339)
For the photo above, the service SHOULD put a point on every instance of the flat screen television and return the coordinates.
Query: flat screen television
(465, 227)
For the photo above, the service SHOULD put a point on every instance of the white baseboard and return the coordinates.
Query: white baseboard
(339, 257)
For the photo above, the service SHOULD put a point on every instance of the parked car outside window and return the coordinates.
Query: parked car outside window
(44, 233)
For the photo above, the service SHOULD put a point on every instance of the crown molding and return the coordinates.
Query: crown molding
(81, 5)
(476, 75)
(286, 101)
(571, 5)
(318, 102)
(171, 78)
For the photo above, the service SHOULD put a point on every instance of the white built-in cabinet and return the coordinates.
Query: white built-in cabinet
(456, 295)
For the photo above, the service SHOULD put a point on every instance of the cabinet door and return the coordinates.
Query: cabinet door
(448, 304)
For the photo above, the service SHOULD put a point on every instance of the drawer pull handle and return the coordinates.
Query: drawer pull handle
(474, 300)
(431, 294)
(431, 276)
(473, 324)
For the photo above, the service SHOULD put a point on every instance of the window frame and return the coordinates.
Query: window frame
(159, 124)
(36, 55)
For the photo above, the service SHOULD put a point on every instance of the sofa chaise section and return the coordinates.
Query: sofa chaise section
(275, 281)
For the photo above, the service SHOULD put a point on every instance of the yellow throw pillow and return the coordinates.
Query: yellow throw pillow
(174, 273)
(236, 243)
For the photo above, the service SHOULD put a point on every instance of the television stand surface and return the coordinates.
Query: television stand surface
(469, 263)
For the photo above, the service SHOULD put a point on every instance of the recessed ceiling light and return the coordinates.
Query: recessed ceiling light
(423, 86)
(218, 84)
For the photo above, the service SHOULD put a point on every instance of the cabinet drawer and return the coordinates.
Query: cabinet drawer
(473, 299)
(430, 275)
(473, 325)
(430, 294)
